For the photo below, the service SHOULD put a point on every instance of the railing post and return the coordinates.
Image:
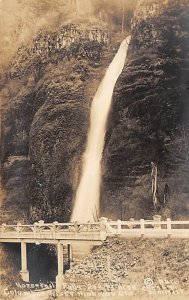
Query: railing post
(18, 227)
(130, 225)
(119, 226)
(103, 229)
(54, 229)
(157, 221)
(35, 230)
(41, 222)
(59, 277)
(142, 227)
(24, 272)
(168, 227)
(3, 227)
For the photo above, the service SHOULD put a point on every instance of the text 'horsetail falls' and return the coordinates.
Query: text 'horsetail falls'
(86, 207)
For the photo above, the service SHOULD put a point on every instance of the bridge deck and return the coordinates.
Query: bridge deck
(66, 233)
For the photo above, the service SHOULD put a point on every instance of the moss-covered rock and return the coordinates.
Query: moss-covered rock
(149, 119)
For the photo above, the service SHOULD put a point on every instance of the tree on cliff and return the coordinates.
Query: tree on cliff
(118, 12)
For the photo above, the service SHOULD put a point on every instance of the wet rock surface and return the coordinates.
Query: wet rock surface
(149, 120)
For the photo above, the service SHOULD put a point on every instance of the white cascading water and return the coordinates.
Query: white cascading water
(86, 207)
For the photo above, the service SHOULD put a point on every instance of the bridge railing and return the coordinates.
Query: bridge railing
(105, 227)
(145, 226)
(41, 227)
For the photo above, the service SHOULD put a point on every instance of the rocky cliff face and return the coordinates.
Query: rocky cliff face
(149, 119)
(49, 89)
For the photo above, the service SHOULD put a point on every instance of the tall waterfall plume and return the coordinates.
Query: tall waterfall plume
(86, 207)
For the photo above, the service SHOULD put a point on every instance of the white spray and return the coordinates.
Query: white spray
(86, 207)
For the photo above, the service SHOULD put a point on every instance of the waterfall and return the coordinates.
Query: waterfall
(86, 207)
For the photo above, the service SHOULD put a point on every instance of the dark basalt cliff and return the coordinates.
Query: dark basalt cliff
(47, 94)
(149, 119)
(49, 90)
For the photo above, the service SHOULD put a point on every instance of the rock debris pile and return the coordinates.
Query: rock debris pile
(110, 262)
(127, 266)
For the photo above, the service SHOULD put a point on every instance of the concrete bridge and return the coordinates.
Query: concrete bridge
(85, 235)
